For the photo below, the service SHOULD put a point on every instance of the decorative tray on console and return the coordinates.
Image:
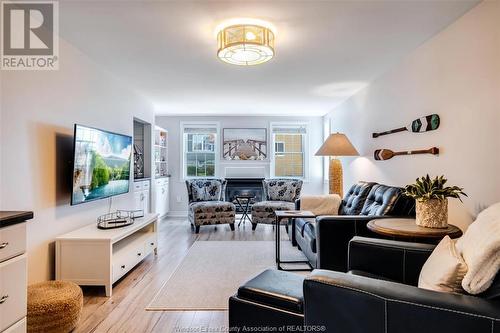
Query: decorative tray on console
(118, 219)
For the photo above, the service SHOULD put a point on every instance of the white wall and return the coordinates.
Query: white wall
(456, 74)
(313, 185)
(39, 109)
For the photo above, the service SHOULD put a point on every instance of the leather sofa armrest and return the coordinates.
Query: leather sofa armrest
(346, 303)
(397, 261)
(333, 233)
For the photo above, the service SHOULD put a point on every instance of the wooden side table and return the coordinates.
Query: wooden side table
(408, 230)
(289, 214)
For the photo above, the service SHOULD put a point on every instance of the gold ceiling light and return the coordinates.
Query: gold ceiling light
(245, 42)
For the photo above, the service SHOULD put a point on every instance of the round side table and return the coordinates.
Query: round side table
(408, 230)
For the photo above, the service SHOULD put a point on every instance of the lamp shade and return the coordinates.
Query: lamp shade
(337, 144)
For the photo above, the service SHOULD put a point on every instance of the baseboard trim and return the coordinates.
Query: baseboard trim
(177, 213)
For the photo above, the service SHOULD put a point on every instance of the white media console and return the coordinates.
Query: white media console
(93, 257)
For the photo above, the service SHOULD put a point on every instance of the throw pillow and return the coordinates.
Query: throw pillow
(444, 270)
(480, 248)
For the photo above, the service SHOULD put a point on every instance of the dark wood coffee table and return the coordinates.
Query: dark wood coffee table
(408, 230)
(289, 214)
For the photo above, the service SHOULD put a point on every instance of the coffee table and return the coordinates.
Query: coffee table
(408, 230)
(289, 214)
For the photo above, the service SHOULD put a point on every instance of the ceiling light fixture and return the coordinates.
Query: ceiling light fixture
(245, 42)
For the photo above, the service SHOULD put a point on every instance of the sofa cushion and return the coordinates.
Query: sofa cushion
(355, 198)
(282, 189)
(275, 288)
(381, 200)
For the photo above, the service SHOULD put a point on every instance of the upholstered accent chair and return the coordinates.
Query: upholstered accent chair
(207, 205)
(279, 194)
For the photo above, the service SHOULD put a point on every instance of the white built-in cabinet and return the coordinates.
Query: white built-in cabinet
(161, 184)
(142, 193)
(161, 196)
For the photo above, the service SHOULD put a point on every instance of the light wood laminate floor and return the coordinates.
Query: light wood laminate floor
(124, 311)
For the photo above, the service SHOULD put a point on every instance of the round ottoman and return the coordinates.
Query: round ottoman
(54, 306)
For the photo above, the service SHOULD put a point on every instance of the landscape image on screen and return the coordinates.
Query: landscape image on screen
(101, 164)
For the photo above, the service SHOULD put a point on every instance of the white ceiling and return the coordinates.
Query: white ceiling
(325, 50)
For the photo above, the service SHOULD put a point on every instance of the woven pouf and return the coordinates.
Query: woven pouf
(54, 306)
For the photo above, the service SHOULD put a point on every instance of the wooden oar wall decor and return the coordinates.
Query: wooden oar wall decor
(385, 154)
(420, 125)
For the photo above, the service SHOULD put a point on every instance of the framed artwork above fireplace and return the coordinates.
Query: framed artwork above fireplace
(244, 144)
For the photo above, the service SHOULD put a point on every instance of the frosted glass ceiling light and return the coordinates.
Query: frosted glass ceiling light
(245, 43)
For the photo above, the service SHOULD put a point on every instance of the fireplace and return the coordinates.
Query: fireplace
(244, 186)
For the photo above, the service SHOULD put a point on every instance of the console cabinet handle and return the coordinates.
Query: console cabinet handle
(3, 245)
(152, 243)
(3, 299)
(123, 266)
(139, 253)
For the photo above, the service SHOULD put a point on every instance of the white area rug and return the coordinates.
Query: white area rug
(212, 271)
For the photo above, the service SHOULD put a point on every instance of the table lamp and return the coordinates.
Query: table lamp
(336, 145)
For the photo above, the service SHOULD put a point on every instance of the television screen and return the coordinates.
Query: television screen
(101, 164)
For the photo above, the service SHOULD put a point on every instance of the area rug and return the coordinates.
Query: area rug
(212, 271)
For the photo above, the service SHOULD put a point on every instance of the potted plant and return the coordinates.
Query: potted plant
(431, 197)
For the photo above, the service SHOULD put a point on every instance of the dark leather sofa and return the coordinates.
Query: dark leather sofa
(378, 295)
(324, 242)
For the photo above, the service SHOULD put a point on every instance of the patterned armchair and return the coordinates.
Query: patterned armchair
(207, 205)
(279, 194)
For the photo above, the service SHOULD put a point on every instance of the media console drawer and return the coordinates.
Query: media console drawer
(12, 241)
(131, 253)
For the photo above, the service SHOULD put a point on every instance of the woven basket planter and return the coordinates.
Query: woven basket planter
(54, 307)
(432, 213)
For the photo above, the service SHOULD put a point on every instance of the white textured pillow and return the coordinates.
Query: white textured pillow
(444, 270)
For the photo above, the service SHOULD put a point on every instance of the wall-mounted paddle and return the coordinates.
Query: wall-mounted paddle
(385, 154)
(424, 124)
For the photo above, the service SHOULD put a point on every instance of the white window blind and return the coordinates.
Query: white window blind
(289, 156)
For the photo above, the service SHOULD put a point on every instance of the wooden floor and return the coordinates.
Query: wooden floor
(124, 311)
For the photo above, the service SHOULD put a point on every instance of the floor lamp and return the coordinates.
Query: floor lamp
(335, 146)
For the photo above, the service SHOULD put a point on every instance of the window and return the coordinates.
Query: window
(289, 142)
(199, 150)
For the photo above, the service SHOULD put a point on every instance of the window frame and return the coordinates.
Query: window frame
(183, 153)
(306, 141)
(282, 151)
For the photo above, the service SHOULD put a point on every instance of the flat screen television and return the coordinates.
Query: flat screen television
(101, 164)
